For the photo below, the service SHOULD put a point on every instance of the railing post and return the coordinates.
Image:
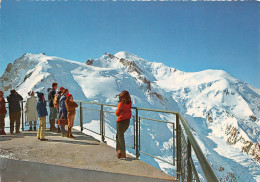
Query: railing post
(102, 128)
(173, 144)
(189, 178)
(178, 142)
(22, 117)
(137, 134)
(81, 117)
(134, 129)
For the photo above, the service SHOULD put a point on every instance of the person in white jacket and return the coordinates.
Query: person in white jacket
(30, 110)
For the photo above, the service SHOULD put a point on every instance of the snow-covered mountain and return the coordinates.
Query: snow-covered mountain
(222, 111)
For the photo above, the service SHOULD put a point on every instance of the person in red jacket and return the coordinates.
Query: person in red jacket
(2, 113)
(71, 108)
(123, 114)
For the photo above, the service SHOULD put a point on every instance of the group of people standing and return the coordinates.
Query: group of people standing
(63, 109)
(61, 104)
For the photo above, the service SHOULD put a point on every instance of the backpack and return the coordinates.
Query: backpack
(56, 101)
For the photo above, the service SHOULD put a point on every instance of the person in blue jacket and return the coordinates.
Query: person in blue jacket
(63, 111)
(42, 113)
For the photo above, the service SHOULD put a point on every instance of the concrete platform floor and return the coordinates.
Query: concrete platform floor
(24, 158)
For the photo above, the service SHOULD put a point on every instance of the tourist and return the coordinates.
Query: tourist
(63, 111)
(14, 100)
(30, 110)
(56, 103)
(53, 110)
(71, 108)
(123, 114)
(42, 113)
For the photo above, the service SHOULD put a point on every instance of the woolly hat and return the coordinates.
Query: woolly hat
(68, 96)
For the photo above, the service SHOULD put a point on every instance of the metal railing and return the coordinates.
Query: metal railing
(183, 141)
(100, 119)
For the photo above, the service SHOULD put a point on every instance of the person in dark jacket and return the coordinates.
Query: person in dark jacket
(2, 113)
(123, 114)
(63, 111)
(14, 100)
(53, 110)
(42, 113)
(56, 102)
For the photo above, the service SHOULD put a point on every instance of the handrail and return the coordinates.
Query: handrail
(157, 110)
(209, 174)
(95, 103)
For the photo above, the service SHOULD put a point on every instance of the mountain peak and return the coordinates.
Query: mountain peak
(128, 56)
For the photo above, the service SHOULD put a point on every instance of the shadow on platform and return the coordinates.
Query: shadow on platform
(16, 170)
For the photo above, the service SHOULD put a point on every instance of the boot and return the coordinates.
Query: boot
(122, 156)
(2, 132)
(58, 130)
(70, 134)
(30, 129)
(52, 125)
(34, 128)
(118, 154)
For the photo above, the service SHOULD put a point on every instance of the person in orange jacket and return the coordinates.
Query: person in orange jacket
(123, 114)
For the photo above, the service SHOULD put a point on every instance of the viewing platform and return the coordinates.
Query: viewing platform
(25, 158)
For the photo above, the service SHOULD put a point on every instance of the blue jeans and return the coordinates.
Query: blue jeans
(62, 128)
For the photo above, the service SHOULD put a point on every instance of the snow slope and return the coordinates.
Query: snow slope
(222, 111)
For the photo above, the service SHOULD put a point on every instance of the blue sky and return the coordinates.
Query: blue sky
(189, 36)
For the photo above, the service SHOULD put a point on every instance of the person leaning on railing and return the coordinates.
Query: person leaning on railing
(2, 113)
(123, 114)
(14, 110)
